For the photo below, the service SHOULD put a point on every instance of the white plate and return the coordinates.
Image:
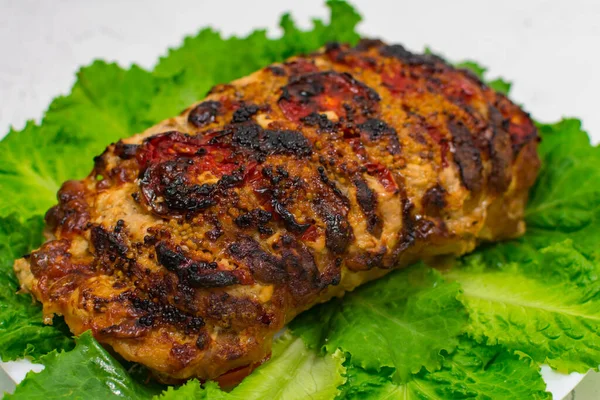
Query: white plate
(560, 385)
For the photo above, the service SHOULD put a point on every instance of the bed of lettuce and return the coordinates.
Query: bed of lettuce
(478, 330)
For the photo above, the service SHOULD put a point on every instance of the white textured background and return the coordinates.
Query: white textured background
(550, 49)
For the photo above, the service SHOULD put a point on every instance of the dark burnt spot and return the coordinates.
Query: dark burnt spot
(264, 142)
(168, 258)
(367, 201)
(119, 226)
(289, 220)
(377, 130)
(100, 162)
(400, 53)
(166, 187)
(338, 233)
(332, 185)
(244, 113)
(501, 152)
(434, 200)
(193, 273)
(290, 142)
(216, 231)
(126, 151)
(146, 320)
(467, 156)
(255, 218)
(264, 266)
(326, 91)
(276, 176)
(230, 181)
(159, 312)
(108, 243)
(321, 121)
(204, 113)
(408, 227)
(171, 161)
(198, 279)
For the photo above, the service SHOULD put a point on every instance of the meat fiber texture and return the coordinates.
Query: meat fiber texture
(191, 244)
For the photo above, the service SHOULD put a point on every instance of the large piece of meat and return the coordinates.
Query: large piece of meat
(190, 245)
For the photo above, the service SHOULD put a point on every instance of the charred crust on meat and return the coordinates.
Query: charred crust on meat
(276, 70)
(204, 113)
(307, 93)
(166, 188)
(159, 312)
(467, 156)
(264, 142)
(193, 273)
(367, 201)
(253, 219)
(244, 113)
(332, 185)
(408, 227)
(108, 243)
(216, 231)
(377, 129)
(289, 220)
(321, 121)
(400, 53)
(126, 151)
(338, 233)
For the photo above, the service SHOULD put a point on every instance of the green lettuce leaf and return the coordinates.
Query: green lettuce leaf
(472, 371)
(403, 322)
(552, 320)
(22, 332)
(540, 294)
(86, 372)
(294, 372)
(565, 201)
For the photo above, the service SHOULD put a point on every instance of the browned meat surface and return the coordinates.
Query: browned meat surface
(191, 244)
